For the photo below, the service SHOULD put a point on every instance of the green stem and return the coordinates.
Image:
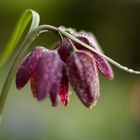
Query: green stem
(73, 46)
(63, 32)
(18, 57)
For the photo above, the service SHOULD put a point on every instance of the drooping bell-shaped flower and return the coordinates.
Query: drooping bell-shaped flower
(101, 62)
(83, 76)
(82, 67)
(47, 76)
(45, 70)
(49, 72)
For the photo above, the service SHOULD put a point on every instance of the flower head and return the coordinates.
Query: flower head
(45, 70)
(50, 72)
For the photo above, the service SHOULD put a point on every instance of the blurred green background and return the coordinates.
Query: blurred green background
(116, 24)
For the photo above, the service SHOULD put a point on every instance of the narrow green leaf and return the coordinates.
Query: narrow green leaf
(23, 22)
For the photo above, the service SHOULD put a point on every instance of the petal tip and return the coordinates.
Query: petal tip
(93, 104)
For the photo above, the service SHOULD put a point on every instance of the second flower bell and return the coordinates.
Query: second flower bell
(51, 71)
(44, 69)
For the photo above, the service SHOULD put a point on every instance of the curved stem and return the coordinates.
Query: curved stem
(63, 32)
(18, 57)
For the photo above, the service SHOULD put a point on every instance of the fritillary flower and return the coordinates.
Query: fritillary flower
(51, 71)
(83, 76)
(45, 70)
